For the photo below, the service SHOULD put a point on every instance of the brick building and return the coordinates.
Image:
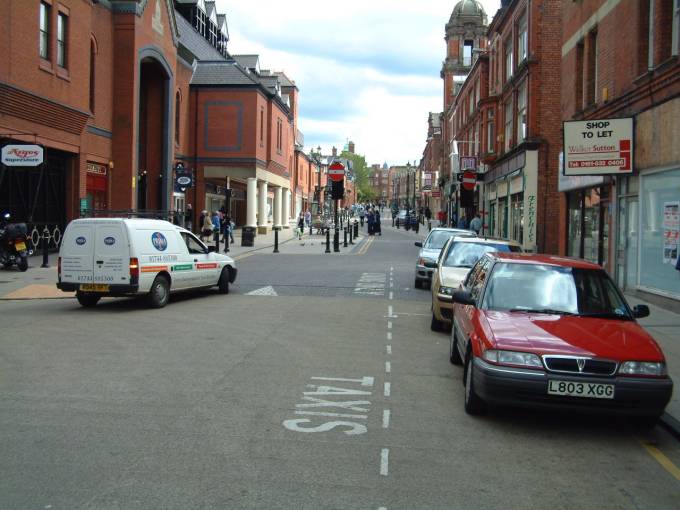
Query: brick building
(430, 168)
(626, 222)
(115, 123)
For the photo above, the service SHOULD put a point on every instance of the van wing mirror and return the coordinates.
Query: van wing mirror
(463, 297)
(419, 244)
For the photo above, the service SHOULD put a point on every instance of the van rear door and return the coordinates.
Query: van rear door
(111, 254)
(76, 252)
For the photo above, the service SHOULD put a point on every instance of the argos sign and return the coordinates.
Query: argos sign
(22, 155)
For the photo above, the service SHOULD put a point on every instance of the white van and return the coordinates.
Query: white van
(124, 257)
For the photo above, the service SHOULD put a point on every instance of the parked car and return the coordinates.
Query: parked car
(430, 250)
(126, 257)
(547, 331)
(457, 257)
(401, 218)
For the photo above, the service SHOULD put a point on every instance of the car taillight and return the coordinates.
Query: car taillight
(134, 270)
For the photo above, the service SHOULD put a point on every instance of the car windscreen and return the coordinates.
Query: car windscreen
(437, 239)
(551, 289)
(462, 254)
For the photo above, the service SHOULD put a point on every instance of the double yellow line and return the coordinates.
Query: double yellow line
(367, 244)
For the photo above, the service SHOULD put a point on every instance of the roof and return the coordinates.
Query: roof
(285, 81)
(247, 61)
(199, 47)
(270, 82)
(541, 258)
(468, 8)
(221, 73)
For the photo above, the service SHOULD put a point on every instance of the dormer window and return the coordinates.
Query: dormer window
(199, 18)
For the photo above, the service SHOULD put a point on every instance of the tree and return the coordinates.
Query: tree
(361, 172)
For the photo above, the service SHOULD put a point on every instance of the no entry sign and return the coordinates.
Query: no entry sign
(336, 171)
(469, 180)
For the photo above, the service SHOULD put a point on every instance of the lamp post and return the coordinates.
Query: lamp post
(408, 195)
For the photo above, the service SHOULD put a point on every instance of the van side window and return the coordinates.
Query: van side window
(194, 246)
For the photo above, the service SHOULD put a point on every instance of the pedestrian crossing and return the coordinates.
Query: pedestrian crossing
(371, 284)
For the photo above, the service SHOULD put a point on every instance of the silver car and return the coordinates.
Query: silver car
(429, 252)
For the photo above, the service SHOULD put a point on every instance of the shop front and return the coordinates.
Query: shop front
(97, 187)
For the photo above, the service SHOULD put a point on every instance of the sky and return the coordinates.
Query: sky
(367, 70)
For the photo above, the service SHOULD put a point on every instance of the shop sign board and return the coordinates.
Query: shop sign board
(436, 193)
(22, 155)
(598, 147)
(468, 163)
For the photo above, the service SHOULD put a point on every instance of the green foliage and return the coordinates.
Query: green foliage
(361, 172)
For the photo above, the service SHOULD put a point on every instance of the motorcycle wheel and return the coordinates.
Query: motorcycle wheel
(23, 264)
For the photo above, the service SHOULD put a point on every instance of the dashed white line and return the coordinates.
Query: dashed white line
(389, 310)
(386, 418)
(384, 461)
(389, 324)
(387, 389)
(388, 367)
(389, 349)
(391, 295)
(389, 336)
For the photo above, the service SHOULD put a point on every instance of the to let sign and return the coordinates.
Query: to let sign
(598, 147)
(336, 171)
(22, 155)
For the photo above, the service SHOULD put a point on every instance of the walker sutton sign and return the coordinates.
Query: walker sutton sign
(598, 147)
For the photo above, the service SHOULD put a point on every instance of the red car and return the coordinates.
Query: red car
(547, 331)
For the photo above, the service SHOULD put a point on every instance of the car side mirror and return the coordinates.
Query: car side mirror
(419, 244)
(212, 249)
(640, 311)
(463, 297)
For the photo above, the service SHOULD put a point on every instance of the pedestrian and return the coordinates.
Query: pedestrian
(207, 226)
(462, 222)
(476, 224)
(217, 223)
(175, 218)
(441, 217)
(362, 214)
(371, 222)
(377, 227)
(188, 217)
(227, 228)
(300, 226)
(308, 218)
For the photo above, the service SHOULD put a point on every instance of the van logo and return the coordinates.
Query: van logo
(159, 241)
(108, 241)
(80, 241)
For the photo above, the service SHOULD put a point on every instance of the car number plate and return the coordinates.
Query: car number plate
(580, 389)
(20, 246)
(94, 287)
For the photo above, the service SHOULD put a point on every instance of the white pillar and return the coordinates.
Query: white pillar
(262, 208)
(286, 208)
(251, 203)
(277, 206)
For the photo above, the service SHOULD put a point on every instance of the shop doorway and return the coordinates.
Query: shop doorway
(627, 243)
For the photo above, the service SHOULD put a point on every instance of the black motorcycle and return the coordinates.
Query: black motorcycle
(14, 245)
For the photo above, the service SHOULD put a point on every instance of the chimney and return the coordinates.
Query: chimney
(335, 151)
(351, 147)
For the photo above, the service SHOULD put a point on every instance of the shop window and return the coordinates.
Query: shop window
(503, 217)
(517, 207)
(522, 39)
(575, 201)
(508, 59)
(522, 111)
(62, 35)
(492, 218)
(45, 13)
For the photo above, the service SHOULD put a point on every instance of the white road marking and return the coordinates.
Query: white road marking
(319, 402)
(389, 311)
(389, 336)
(388, 367)
(384, 461)
(391, 295)
(382, 508)
(371, 284)
(365, 381)
(334, 415)
(264, 291)
(389, 324)
(389, 349)
(391, 284)
(391, 269)
(386, 418)
(387, 389)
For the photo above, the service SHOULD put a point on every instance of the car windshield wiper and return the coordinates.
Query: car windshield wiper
(542, 310)
(605, 315)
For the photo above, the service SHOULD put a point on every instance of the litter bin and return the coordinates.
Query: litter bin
(248, 236)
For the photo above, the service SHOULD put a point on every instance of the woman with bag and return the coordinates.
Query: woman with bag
(207, 227)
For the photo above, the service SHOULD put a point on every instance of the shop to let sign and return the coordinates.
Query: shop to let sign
(598, 147)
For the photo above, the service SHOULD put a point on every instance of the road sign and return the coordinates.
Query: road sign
(469, 180)
(336, 171)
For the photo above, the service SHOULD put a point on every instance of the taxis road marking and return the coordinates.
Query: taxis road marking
(665, 462)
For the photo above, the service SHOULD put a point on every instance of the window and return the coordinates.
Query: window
(517, 214)
(44, 30)
(522, 111)
(522, 39)
(62, 34)
(177, 104)
(591, 88)
(508, 59)
(199, 21)
(93, 53)
(508, 124)
(261, 126)
(467, 53)
(490, 133)
(213, 33)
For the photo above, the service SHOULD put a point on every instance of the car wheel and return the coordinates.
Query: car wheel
(473, 404)
(418, 284)
(454, 355)
(159, 295)
(87, 300)
(436, 324)
(223, 283)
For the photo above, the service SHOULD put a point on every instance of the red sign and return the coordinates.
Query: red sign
(436, 193)
(469, 180)
(336, 171)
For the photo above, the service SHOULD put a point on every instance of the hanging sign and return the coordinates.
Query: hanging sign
(183, 178)
(22, 155)
(598, 147)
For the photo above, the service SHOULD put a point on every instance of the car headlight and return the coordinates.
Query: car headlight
(447, 290)
(422, 261)
(525, 359)
(657, 369)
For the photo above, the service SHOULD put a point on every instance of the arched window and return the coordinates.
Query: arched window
(93, 58)
(177, 103)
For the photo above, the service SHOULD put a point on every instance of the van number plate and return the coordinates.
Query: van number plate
(94, 287)
(578, 389)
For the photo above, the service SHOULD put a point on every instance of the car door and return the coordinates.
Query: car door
(204, 268)
(464, 314)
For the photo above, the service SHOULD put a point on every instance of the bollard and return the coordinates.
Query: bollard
(328, 240)
(45, 246)
(344, 244)
(226, 240)
(310, 229)
(217, 241)
(336, 240)
(276, 240)
(351, 231)
(417, 226)
(356, 229)
(429, 225)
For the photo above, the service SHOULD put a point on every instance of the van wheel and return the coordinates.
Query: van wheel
(159, 295)
(87, 300)
(223, 282)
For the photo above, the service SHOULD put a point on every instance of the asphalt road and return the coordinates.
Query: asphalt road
(307, 387)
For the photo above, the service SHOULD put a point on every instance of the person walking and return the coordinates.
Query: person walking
(462, 222)
(227, 228)
(362, 214)
(376, 222)
(217, 223)
(300, 226)
(371, 222)
(308, 218)
(476, 224)
(188, 218)
(207, 226)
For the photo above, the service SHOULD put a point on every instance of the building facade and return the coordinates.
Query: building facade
(628, 223)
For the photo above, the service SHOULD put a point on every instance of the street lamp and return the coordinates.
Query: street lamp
(408, 195)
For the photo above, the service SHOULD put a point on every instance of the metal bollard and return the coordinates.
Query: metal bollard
(276, 240)
(328, 240)
(310, 229)
(351, 231)
(336, 240)
(226, 241)
(356, 229)
(429, 225)
(344, 244)
(45, 246)
(217, 241)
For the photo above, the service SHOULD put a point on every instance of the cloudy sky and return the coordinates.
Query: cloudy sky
(367, 70)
